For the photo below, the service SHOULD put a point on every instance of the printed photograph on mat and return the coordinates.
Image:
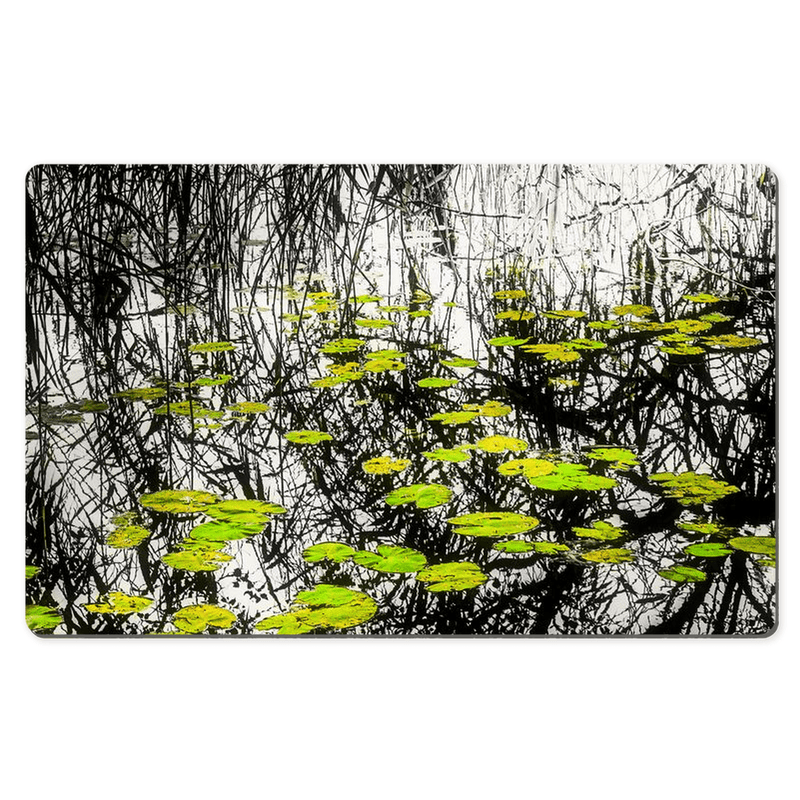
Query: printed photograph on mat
(400, 400)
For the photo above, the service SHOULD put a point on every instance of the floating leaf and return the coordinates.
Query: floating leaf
(764, 545)
(374, 323)
(564, 314)
(366, 298)
(325, 606)
(142, 393)
(706, 528)
(499, 444)
(513, 314)
(691, 488)
(447, 454)
(715, 316)
(178, 501)
(328, 551)
(707, 550)
(195, 619)
(392, 309)
(549, 548)
(31, 572)
(600, 530)
(458, 362)
(563, 382)
(422, 312)
(423, 495)
(491, 408)
(682, 350)
(702, 298)
(234, 509)
(390, 558)
(384, 465)
(633, 309)
(506, 341)
(584, 344)
(689, 325)
(384, 365)
(127, 536)
(307, 437)
(510, 294)
(196, 559)
(39, 618)
(187, 408)
(389, 353)
(492, 523)
(610, 555)
(680, 573)
(452, 577)
(342, 346)
(513, 546)
(454, 417)
(211, 347)
(560, 351)
(437, 383)
(219, 380)
(572, 477)
(621, 457)
(224, 531)
(248, 408)
(730, 341)
(604, 325)
(529, 467)
(119, 603)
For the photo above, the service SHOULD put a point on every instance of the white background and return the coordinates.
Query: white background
(413, 81)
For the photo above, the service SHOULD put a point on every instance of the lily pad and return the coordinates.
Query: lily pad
(702, 298)
(491, 408)
(600, 530)
(567, 313)
(572, 477)
(506, 341)
(325, 606)
(366, 298)
(236, 509)
(454, 576)
(499, 444)
(119, 603)
(492, 524)
(374, 323)
(127, 536)
(707, 550)
(197, 559)
(763, 545)
(224, 531)
(610, 555)
(730, 341)
(197, 618)
(633, 309)
(692, 488)
(178, 501)
(385, 465)
(706, 528)
(454, 417)
(39, 618)
(219, 380)
(447, 454)
(621, 457)
(513, 546)
(422, 312)
(437, 383)
(529, 467)
(142, 393)
(31, 572)
(681, 573)
(384, 365)
(391, 558)
(458, 362)
(328, 551)
(549, 548)
(423, 495)
(515, 315)
(248, 408)
(186, 408)
(211, 347)
(389, 353)
(307, 437)
(342, 346)
(510, 294)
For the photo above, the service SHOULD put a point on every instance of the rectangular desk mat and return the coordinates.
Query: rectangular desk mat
(400, 400)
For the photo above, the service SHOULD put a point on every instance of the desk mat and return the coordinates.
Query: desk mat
(400, 400)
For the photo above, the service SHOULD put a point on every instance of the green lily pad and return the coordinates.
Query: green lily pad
(186, 408)
(421, 312)
(515, 315)
(513, 546)
(197, 618)
(563, 382)
(706, 528)
(307, 437)
(391, 558)
(224, 531)
(385, 465)
(529, 467)
(235, 509)
(692, 488)
(604, 325)
(506, 341)
(127, 536)
(423, 495)
(572, 477)
(454, 576)
(763, 545)
(560, 351)
(680, 573)
(342, 346)
(119, 603)
(31, 572)
(374, 323)
(715, 316)
(689, 325)
(702, 298)
(248, 408)
(328, 551)
(499, 444)
(211, 347)
(621, 457)
(325, 606)
(633, 309)
(549, 548)
(382, 355)
(491, 408)
(437, 383)
(707, 550)
(142, 393)
(610, 555)
(510, 294)
(584, 344)
(393, 309)
(492, 524)
(447, 454)
(600, 530)
(219, 380)
(178, 501)
(454, 417)
(366, 298)
(41, 618)
(730, 340)
(377, 365)
(566, 313)
(457, 362)
(197, 559)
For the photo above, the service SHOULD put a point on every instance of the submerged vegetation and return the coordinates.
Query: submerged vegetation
(400, 399)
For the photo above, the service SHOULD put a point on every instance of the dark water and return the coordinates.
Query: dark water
(130, 267)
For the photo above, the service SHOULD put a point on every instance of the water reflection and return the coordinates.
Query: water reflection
(366, 353)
